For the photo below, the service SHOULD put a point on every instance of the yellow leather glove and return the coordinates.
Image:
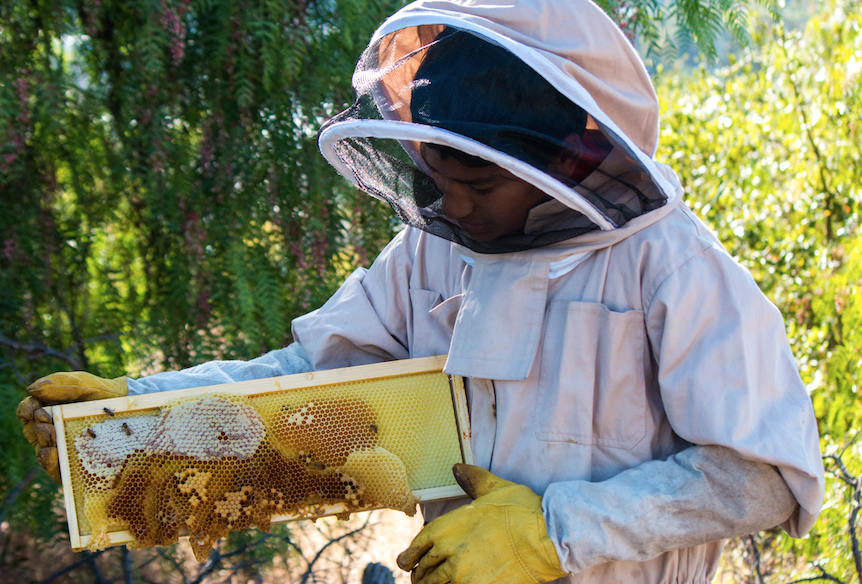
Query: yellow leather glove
(59, 388)
(500, 537)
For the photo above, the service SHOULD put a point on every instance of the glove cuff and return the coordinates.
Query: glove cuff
(122, 385)
(539, 559)
(77, 386)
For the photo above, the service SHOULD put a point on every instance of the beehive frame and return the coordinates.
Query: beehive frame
(289, 383)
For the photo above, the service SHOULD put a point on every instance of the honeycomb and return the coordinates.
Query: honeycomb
(212, 463)
(325, 432)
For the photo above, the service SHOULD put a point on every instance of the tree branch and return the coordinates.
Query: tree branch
(88, 557)
(806, 125)
(856, 502)
(177, 566)
(38, 350)
(16, 492)
(824, 575)
(145, 563)
(310, 568)
(845, 475)
(98, 575)
(213, 562)
(114, 337)
(128, 575)
(756, 553)
(217, 558)
(851, 523)
(22, 381)
(240, 566)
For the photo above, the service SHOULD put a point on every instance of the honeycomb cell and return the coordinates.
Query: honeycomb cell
(102, 448)
(211, 463)
(209, 428)
(325, 431)
(383, 477)
(128, 505)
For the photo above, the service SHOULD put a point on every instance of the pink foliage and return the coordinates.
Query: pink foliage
(363, 255)
(627, 16)
(171, 20)
(91, 17)
(10, 249)
(158, 157)
(49, 179)
(195, 235)
(296, 250)
(207, 149)
(204, 306)
(17, 133)
(319, 248)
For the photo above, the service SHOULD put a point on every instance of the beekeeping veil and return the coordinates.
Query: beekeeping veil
(549, 90)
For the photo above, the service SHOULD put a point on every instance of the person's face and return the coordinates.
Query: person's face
(487, 202)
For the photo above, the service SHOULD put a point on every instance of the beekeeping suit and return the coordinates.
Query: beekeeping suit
(620, 363)
(604, 341)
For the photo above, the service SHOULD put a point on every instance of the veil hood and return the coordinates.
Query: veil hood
(559, 60)
(574, 44)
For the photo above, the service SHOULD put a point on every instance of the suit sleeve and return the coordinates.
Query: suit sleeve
(728, 377)
(286, 361)
(366, 320)
(730, 388)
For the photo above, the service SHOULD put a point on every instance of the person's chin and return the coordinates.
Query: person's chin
(479, 231)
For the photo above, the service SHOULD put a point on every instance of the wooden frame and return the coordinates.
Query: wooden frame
(65, 412)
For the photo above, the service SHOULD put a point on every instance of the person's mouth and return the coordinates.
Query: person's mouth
(472, 228)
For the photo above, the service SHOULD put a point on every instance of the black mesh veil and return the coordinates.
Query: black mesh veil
(462, 94)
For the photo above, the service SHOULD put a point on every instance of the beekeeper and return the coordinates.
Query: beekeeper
(631, 391)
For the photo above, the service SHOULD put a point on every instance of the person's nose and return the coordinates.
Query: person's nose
(456, 203)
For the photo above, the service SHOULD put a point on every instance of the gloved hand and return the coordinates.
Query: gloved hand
(500, 537)
(58, 388)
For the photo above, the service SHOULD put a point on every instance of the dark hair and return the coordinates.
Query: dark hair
(478, 89)
(466, 159)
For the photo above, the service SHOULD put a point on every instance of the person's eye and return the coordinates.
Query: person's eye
(483, 190)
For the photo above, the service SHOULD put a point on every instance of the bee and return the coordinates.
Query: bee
(109, 411)
(91, 433)
(126, 429)
(373, 428)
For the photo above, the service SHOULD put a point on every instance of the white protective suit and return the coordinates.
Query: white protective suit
(633, 375)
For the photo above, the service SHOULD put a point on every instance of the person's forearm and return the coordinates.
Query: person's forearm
(702, 494)
(286, 361)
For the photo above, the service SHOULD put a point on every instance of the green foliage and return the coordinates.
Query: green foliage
(36, 510)
(164, 200)
(668, 29)
(159, 158)
(165, 203)
(769, 152)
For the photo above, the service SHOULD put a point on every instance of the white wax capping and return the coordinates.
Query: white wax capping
(301, 417)
(209, 428)
(114, 440)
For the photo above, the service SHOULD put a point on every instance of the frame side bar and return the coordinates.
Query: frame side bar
(462, 417)
(66, 476)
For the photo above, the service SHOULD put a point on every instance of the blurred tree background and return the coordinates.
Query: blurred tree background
(165, 204)
(769, 151)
